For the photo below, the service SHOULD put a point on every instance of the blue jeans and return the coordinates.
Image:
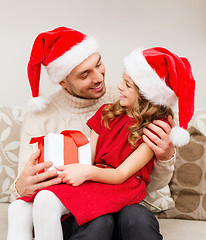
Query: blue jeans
(136, 222)
(100, 228)
(133, 222)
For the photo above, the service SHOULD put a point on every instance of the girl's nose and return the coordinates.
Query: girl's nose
(120, 86)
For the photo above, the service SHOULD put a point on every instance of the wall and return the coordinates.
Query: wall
(119, 25)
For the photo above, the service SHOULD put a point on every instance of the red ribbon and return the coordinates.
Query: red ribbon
(40, 141)
(72, 140)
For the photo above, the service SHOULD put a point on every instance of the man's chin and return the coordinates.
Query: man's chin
(97, 95)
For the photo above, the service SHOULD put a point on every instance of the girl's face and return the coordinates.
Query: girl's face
(128, 92)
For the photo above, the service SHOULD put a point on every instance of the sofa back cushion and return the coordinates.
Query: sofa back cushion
(188, 185)
(11, 119)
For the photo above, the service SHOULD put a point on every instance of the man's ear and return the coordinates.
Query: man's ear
(63, 83)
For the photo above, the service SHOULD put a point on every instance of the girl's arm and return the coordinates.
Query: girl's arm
(136, 161)
(76, 174)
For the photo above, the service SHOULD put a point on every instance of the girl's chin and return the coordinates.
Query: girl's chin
(122, 103)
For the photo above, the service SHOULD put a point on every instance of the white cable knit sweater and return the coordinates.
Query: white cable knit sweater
(66, 112)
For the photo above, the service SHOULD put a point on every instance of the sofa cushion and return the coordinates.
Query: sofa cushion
(188, 186)
(3, 220)
(159, 200)
(10, 122)
(199, 120)
(178, 229)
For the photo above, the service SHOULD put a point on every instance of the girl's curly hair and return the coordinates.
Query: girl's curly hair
(143, 112)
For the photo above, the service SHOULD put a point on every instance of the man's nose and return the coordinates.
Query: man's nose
(98, 76)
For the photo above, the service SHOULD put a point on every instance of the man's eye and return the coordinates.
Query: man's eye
(84, 76)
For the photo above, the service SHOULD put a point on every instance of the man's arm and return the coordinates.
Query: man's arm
(164, 152)
(161, 174)
(29, 181)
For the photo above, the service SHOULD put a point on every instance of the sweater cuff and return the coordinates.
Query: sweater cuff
(169, 162)
(14, 193)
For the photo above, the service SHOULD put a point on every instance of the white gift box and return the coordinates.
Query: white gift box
(70, 146)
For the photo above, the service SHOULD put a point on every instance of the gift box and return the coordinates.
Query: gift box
(70, 146)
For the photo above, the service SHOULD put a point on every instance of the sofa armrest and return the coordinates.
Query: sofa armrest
(11, 119)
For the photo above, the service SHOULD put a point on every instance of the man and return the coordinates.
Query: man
(72, 60)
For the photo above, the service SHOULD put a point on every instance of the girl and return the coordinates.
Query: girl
(152, 80)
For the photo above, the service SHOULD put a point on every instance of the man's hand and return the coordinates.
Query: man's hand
(161, 146)
(29, 181)
(74, 174)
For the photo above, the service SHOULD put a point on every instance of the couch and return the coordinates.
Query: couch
(184, 221)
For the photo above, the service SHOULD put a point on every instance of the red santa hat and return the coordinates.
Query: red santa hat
(162, 77)
(60, 51)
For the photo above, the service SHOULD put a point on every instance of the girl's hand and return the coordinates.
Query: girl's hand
(74, 174)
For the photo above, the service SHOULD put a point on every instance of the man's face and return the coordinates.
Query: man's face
(87, 79)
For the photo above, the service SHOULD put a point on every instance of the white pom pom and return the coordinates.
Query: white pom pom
(179, 136)
(38, 104)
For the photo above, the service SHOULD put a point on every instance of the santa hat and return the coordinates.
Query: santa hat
(60, 51)
(162, 77)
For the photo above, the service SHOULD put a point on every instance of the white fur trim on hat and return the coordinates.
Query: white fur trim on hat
(150, 85)
(38, 104)
(179, 136)
(59, 69)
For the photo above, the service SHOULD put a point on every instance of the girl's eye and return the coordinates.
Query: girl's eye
(128, 85)
(99, 64)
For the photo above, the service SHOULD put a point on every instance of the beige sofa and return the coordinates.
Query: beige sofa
(171, 228)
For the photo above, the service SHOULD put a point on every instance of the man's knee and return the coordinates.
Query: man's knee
(103, 222)
(137, 215)
(103, 227)
(100, 228)
(137, 220)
